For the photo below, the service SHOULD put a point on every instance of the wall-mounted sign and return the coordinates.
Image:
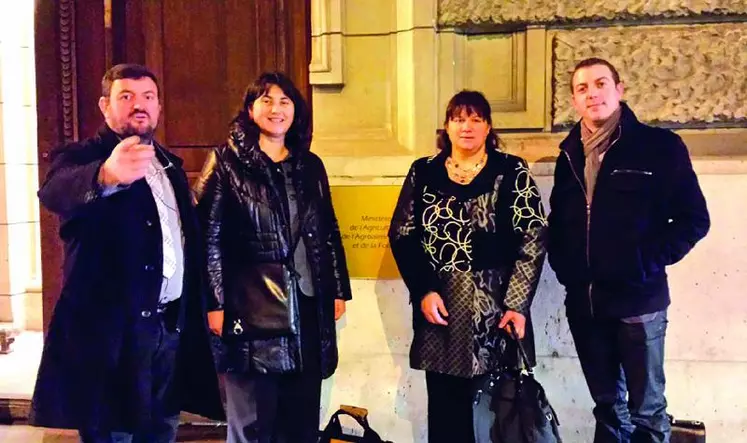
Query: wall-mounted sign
(364, 213)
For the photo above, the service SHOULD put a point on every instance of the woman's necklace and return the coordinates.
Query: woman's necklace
(463, 175)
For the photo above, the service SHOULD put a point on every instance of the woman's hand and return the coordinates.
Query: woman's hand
(339, 308)
(513, 318)
(432, 306)
(215, 322)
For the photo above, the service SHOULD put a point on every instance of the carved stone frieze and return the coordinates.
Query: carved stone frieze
(501, 12)
(680, 75)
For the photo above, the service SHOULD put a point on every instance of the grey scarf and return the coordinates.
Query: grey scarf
(596, 145)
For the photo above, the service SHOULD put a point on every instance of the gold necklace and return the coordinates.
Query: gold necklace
(464, 175)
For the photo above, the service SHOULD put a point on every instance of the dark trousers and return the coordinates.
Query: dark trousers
(273, 408)
(163, 364)
(624, 368)
(449, 408)
(279, 408)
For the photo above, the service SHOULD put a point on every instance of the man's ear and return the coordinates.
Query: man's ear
(103, 104)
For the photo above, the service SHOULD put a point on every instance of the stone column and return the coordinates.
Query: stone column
(20, 293)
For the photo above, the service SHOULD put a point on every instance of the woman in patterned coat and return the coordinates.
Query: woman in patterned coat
(468, 236)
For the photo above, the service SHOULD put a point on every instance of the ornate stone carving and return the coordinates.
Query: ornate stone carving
(68, 74)
(680, 75)
(501, 12)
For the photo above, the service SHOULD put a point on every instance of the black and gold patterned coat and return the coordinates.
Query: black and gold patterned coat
(481, 246)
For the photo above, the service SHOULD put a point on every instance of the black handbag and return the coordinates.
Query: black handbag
(258, 304)
(687, 431)
(333, 432)
(510, 406)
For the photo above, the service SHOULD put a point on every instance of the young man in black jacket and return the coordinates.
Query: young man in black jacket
(625, 204)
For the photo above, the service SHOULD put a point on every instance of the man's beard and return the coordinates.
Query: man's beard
(145, 134)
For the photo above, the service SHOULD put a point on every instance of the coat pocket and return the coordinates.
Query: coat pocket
(631, 180)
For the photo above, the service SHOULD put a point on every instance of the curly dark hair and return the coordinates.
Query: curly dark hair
(298, 137)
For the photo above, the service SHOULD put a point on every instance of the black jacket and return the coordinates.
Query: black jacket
(647, 212)
(92, 374)
(243, 206)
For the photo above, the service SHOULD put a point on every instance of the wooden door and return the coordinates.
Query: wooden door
(204, 53)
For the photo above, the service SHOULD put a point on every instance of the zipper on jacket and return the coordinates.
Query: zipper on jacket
(632, 172)
(588, 215)
(280, 206)
(588, 221)
(588, 256)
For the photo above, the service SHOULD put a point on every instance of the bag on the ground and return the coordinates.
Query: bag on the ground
(333, 432)
(510, 406)
(687, 431)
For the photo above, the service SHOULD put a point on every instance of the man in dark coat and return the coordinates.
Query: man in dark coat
(626, 204)
(127, 347)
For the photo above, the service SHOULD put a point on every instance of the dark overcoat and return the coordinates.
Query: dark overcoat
(95, 370)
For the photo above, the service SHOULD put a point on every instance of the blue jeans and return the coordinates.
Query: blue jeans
(624, 368)
(166, 421)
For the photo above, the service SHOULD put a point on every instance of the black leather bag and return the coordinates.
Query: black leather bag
(687, 431)
(333, 432)
(259, 304)
(510, 406)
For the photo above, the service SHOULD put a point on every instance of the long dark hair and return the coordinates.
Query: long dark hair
(474, 103)
(298, 137)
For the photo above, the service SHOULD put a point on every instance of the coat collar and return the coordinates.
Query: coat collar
(250, 154)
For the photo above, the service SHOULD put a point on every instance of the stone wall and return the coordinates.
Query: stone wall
(20, 269)
(683, 64)
(501, 12)
(680, 75)
(682, 61)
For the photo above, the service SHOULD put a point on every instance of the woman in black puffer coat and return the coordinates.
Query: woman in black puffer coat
(276, 265)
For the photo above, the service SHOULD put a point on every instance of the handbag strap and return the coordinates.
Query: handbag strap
(295, 240)
(520, 346)
(334, 428)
